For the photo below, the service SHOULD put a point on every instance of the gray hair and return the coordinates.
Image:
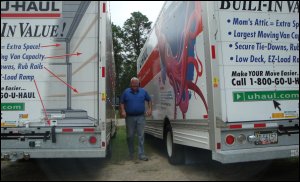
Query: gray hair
(134, 79)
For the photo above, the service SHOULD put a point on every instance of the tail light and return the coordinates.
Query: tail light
(230, 139)
(93, 140)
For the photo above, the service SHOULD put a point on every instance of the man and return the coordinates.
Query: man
(133, 110)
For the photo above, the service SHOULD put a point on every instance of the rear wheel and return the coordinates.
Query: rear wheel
(109, 150)
(175, 152)
(114, 129)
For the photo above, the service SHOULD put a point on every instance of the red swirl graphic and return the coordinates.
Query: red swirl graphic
(177, 65)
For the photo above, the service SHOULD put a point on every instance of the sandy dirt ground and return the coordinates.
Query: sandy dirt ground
(197, 168)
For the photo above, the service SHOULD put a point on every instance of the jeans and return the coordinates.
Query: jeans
(134, 123)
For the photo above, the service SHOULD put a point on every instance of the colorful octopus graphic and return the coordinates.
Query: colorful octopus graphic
(176, 44)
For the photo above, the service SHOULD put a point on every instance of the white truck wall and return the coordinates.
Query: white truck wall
(256, 75)
(258, 55)
(230, 40)
(51, 90)
(84, 67)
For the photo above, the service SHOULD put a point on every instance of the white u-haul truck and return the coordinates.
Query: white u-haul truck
(224, 76)
(57, 79)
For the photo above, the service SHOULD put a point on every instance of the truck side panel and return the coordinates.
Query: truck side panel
(259, 95)
(85, 66)
(208, 67)
(258, 49)
(177, 63)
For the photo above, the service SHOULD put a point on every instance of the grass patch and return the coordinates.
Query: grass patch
(120, 151)
(119, 146)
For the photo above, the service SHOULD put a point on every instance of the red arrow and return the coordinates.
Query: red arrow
(56, 45)
(74, 89)
(46, 115)
(74, 54)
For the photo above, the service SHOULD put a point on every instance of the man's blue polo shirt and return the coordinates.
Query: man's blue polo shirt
(135, 102)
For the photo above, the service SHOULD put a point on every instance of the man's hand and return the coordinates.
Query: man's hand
(123, 114)
(149, 112)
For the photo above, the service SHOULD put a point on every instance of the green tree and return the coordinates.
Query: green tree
(136, 30)
(117, 34)
(128, 43)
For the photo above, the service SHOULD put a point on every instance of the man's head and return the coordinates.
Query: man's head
(134, 84)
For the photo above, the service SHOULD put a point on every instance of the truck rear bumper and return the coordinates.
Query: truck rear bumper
(15, 154)
(245, 155)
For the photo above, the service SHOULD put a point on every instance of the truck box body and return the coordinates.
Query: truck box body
(57, 77)
(224, 76)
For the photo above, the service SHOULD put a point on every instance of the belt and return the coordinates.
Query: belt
(135, 114)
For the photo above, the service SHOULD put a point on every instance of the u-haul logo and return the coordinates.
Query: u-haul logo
(31, 9)
(12, 106)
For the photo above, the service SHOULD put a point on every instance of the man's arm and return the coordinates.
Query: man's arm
(149, 111)
(123, 112)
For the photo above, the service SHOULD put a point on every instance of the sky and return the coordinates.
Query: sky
(121, 10)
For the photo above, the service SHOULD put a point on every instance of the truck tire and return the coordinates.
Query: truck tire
(175, 152)
(109, 150)
(113, 125)
(114, 135)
